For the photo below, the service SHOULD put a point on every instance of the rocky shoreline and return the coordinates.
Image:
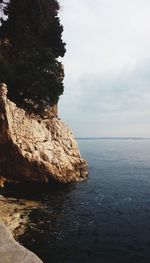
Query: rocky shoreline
(11, 251)
(13, 223)
(14, 213)
(32, 149)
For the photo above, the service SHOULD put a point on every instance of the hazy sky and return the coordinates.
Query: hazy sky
(107, 67)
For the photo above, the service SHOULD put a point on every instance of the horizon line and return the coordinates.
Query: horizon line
(113, 137)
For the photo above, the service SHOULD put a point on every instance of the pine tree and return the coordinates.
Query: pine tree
(30, 44)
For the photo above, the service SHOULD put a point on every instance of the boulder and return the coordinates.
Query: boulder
(36, 149)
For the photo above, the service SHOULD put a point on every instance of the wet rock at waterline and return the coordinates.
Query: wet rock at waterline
(36, 149)
(14, 213)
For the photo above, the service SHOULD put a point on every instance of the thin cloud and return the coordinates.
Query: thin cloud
(107, 67)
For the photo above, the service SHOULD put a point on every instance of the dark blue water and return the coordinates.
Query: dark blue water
(105, 219)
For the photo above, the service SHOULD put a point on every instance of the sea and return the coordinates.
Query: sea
(104, 219)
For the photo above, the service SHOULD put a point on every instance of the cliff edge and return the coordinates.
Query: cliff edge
(36, 149)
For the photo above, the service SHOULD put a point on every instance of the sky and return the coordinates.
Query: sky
(107, 67)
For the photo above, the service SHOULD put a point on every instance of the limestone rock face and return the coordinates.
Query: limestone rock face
(33, 149)
(11, 251)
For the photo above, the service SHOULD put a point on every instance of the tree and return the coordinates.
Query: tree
(30, 44)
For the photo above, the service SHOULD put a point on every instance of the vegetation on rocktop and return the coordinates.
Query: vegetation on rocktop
(30, 44)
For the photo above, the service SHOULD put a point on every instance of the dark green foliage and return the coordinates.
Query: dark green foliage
(30, 45)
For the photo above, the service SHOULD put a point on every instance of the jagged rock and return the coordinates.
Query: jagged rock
(35, 149)
(11, 251)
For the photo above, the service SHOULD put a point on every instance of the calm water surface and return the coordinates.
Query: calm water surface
(105, 219)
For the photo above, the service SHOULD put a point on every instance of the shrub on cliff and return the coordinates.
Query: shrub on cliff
(30, 44)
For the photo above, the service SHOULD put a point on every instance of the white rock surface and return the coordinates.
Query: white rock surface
(11, 251)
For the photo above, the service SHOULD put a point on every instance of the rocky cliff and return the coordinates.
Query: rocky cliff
(36, 149)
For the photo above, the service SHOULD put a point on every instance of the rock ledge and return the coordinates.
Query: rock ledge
(11, 251)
